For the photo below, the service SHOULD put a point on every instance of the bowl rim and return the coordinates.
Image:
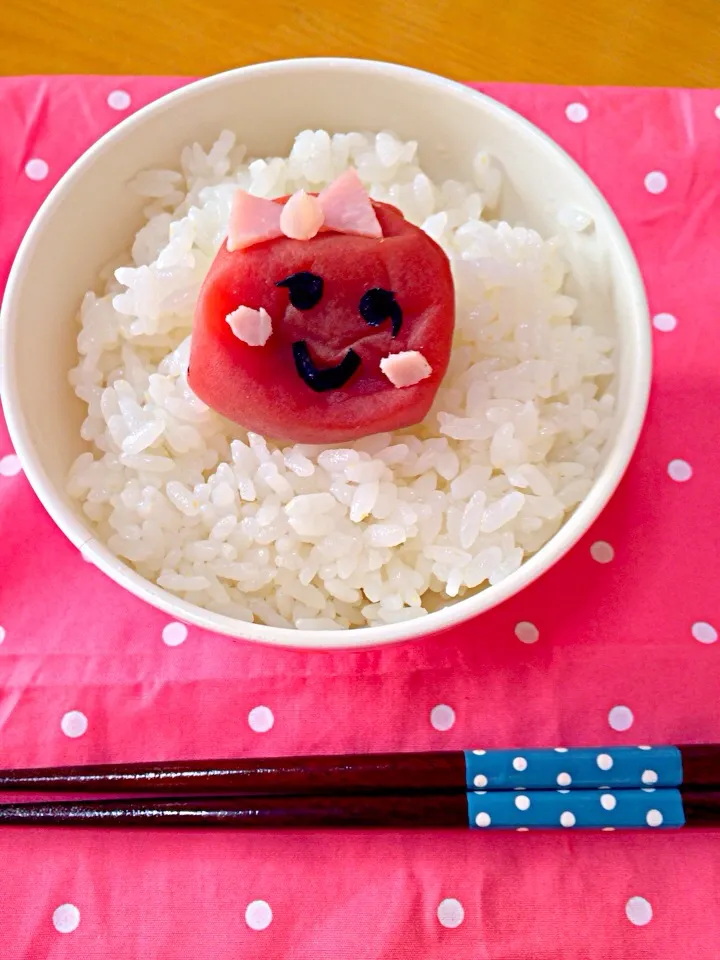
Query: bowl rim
(572, 530)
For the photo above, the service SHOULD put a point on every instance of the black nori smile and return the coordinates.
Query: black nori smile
(329, 378)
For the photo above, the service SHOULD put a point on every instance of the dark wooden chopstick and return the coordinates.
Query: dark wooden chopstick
(509, 810)
(258, 813)
(277, 776)
(696, 766)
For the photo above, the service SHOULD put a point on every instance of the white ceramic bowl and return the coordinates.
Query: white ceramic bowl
(90, 216)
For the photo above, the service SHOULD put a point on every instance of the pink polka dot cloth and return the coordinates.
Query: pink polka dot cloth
(616, 645)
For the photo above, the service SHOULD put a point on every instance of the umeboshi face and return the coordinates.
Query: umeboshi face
(338, 304)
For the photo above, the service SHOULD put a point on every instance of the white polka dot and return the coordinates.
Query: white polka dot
(648, 789)
(654, 818)
(564, 779)
(717, 111)
(119, 99)
(563, 791)
(36, 169)
(522, 802)
(664, 322)
(644, 747)
(526, 632)
(450, 913)
(704, 632)
(560, 749)
(442, 717)
(258, 915)
(649, 777)
(522, 829)
(74, 724)
(656, 181)
(479, 793)
(608, 801)
(604, 761)
(567, 819)
(174, 634)
(2, 634)
(519, 788)
(621, 718)
(576, 112)
(679, 470)
(10, 465)
(483, 819)
(608, 829)
(520, 764)
(602, 552)
(66, 918)
(638, 911)
(261, 719)
(479, 753)
(480, 780)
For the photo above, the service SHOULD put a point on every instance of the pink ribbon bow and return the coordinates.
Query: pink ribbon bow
(343, 207)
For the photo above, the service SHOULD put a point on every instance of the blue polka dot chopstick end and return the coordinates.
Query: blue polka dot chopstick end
(579, 768)
(567, 809)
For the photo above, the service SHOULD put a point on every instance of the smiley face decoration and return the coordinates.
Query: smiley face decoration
(323, 318)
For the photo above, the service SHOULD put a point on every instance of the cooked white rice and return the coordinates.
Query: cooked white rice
(376, 531)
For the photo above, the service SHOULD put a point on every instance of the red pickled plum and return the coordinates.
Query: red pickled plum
(338, 305)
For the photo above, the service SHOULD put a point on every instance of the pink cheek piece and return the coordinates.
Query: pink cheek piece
(301, 217)
(406, 368)
(253, 327)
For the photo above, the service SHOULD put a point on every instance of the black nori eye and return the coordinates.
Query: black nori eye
(377, 305)
(305, 289)
(329, 379)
